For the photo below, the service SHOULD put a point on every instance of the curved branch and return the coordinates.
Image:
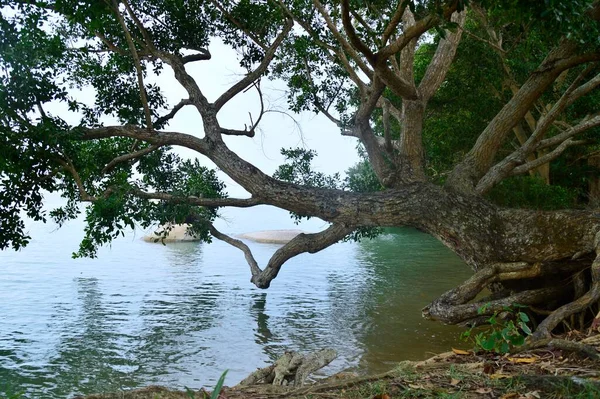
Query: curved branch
(341, 39)
(165, 118)
(199, 201)
(302, 243)
(354, 39)
(394, 21)
(254, 269)
(257, 73)
(310, 243)
(249, 132)
(127, 157)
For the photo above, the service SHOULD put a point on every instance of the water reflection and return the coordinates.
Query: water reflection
(178, 315)
(407, 269)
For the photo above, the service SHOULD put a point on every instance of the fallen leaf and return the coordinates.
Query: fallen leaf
(499, 376)
(509, 395)
(488, 368)
(454, 382)
(414, 386)
(460, 351)
(382, 396)
(522, 359)
(483, 390)
(531, 395)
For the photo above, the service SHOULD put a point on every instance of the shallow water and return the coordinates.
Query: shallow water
(180, 314)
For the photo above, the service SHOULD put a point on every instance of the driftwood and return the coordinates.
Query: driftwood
(291, 369)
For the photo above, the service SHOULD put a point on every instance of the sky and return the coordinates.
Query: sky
(336, 153)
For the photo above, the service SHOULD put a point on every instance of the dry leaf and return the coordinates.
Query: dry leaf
(522, 359)
(382, 396)
(483, 390)
(499, 376)
(454, 382)
(414, 386)
(509, 395)
(460, 351)
(531, 395)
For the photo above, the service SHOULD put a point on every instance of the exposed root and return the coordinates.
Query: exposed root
(562, 344)
(290, 368)
(579, 305)
(544, 287)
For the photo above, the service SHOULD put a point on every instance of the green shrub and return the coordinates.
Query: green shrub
(506, 330)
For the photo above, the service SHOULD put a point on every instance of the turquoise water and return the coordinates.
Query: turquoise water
(180, 314)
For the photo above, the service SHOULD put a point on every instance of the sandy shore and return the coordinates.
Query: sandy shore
(177, 233)
(271, 236)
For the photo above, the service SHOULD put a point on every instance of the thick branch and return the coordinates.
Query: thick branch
(480, 158)
(442, 59)
(302, 243)
(202, 55)
(354, 39)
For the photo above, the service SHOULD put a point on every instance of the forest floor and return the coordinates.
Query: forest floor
(540, 373)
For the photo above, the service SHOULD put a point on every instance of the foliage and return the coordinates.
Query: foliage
(215, 393)
(299, 170)
(507, 329)
(532, 192)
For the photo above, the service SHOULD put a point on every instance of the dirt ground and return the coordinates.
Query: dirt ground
(546, 372)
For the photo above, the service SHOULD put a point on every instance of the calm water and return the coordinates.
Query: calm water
(178, 315)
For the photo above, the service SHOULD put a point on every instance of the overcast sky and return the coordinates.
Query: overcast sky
(336, 153)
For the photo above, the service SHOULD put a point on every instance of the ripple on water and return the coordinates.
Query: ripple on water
(180, 314)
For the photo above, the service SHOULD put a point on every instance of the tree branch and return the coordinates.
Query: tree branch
(302, 243)
(442, 59)
(253, 125)
(136, 61)
(354, 39)
(127, 157)
(202, 55)
(199, 201)
(254, 269)
(586, 124)
(394, 21)
(257, 73)
(341, 39)
(546, 158)
(165, 118)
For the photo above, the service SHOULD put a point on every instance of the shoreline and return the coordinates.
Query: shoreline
(538, 373)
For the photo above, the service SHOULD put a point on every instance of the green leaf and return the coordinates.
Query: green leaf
(219, 386)
(523, 317)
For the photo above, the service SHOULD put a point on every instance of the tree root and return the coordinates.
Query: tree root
(580, 304)
(562, 344)
(542, 286)
(290, 368)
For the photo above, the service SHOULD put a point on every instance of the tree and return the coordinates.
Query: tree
(355, 62)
